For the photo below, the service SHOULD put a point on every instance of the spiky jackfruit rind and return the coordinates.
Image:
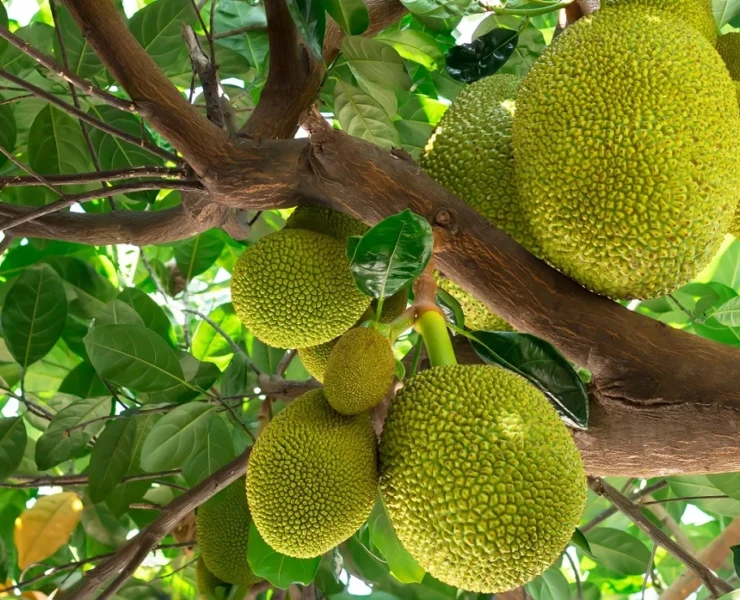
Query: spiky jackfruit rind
(206, 582)
(695, 13)
(314, 358)
(222, 530)
(312, 477)
(325, 220)
(393, 306)
(728, 46)
(626, 143)
(477, 315)
(294, 289)
(482, 481)
(359, 371)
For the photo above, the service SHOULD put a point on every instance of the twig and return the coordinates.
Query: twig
(15, 99)
(612, 510)
(670, 524)
(237, 31)
(207, 74)
(686, 499)
(238, 421)
(70, 199)
(146, 411)
(54, 67)
(78, 178)
(576, 574)
(39, 178)
(169, 484)
(83, 116)
(76, 480)
(714, 584)
(128, 558)
(285, 362)
(649, 571)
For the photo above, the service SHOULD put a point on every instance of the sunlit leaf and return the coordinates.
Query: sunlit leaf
(414, 45)
(214, 449)
(280, 570)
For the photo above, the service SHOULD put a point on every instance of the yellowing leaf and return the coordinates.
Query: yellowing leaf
(45, 527)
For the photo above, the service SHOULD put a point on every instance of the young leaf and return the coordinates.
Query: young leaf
(196, 255)
(618, 551)
(372, 60)
(280, 570)
(33, 314)
(134, 356)
(481, 57)
(110, 457)
(391, 254)
(310, 19)
(45, 527)
(12, 445)
(351, 15)
(401, 563)
(214, 449)
(542, 365)
(414, 45)
(158, 28)
(176, 437)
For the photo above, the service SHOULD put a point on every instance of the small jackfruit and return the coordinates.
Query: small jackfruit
(728, 46)
(314, 358)
(206, 582)
(312, 477)
(294, 289)
(359, 371)
(482, 481)
(695, 13)
(477, 315)
(625, 138)
(325, 220)
(222, 530)
(393, 306)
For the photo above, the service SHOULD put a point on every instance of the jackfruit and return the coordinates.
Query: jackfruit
(695, 13)
(735, 225)
(625, 139)
(325, 220)
(206, 582)
(312, 477)
(222, 530)
(359, 372)
(477, 315)
(294, 289)
(728, 46)
(393, 306)
(314, 358)
(482, 481)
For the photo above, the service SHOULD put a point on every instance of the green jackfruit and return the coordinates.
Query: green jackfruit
(314, 358)
(626, 143)
(728, 46)
(325, 220)
(482, 481)
(222, 530)
(359, 371)
(312, 477)
(294, 289)
(696, 13)
(477, 315)
(206, 582)
(393, 306)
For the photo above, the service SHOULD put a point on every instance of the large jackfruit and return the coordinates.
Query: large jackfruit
(222, 530)
(325, 220)
(312, 477)
(626, 143)
(477, 315)
(207, 583)
(314, 358)
(728, 46)
(483, 483)
(695, 13)
(294, 288)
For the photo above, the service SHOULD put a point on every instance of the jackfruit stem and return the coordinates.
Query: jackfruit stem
(432, 326)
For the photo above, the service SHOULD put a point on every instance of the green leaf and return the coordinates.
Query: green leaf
(391, 254)
(82, 275)
(39, 36)
(3, 23)
(729, 313)
(551, 585)
(214, 449)
(238, 379)
(150, 312)
(373, 60)
(529, 47)
(176, 436)
(483, 56)
(198, 377)
(83, 382)
(8, 131)
(60, 441)
(439, 9)
(33, 314)
(700, 485)
(414, 45)
(362, 116)
(731, 596)
(197, 254)
(280, 570)
(12, 445)
(133, 356)
(207, 342)
(724, 11)
(542, 365)
(158, 28)
(111, 457)
(82, 58)
(310, 20)
(351, 15)
(618, 551)
(580, 541)
(400, 562)
(736, 559)
(114, 312)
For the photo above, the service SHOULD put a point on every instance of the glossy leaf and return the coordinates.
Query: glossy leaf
(158, 28)
(351, 15)
(542, 365)
(736, 559)
(310, 19)
(150, 312)
(214, 449)
(400, 562)
(580, 541)
(280, 570)
(33, 314)
(8, 130)
(414, 45)
(45, 527)
(197, 254)
(481, 57)
(618, 551)
(391, 254)
(133, 356)
(82, 58)
(529, 47)
(362, 116)
(372, 60)
(111, 457)
(12, 445)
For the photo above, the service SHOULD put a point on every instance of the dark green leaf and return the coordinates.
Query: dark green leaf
(150, 312)
(82, 275)
(214, 448)
(736, 559)
(392, 254)
(618, 551)
(280, 570)
(158, 28)
(33, 314)
(198, 377)
(197, 254)
(82, 58)
(12, 445)
(111, 457)
(481, 57)
(310, 19)
(542, 365)
(351, 15)
(83, 382)
(133, 356)
(8, 132)
(238, 379)
(414, 45)
(3, 23)
(63, 437)
(579, 541)
(400, 562)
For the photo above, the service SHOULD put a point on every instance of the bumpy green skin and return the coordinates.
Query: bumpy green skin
(325, 220)
(477, 315)
(393, 306)
(735, 225)
(294, 289)
(359, 371)
(696, 13)
(206, 582)
(312, 477)
(728, 46)
(626, 143)
(483, 483)
(314, 358)
(222, 530)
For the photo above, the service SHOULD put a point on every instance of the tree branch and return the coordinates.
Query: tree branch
(75, 480)
(714, 584)
(613, 510)
(207, 75)
(78, 178)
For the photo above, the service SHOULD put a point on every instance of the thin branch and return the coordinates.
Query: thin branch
(648, 573)
(68, 200)
(238, 31)
(145, 411)
(66, 74)
(714, 584)
(112, 175)
(39, 178)
(576, 574)
(15, 99)
(83, 116)
(207, 75)
(284, 363)
(685, 499)
(613, 510)
(76, 480)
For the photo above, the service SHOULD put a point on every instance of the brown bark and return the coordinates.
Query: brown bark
(517, 594)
